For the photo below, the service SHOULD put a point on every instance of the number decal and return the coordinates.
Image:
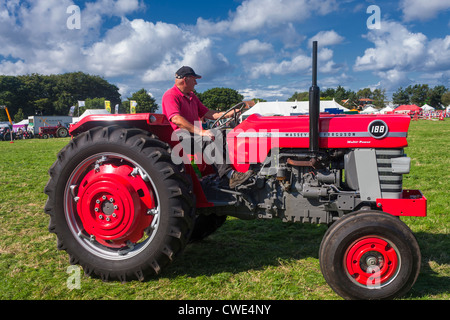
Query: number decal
(378, 129)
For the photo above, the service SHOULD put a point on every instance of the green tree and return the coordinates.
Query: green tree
(379, 98)
(434, 96)
(220, 99)
(55, 94)
(365, 93)
(19, 116)
(328, 93)
(400, 97)
(446, 99)
(418, 94)
(256, 100)
(353, 101)
(13, 94)
(145, 102)
(299, 96)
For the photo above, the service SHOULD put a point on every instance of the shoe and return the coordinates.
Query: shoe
(239, 177)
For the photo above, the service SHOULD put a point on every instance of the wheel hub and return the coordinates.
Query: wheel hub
(372, 261)
(113, 204)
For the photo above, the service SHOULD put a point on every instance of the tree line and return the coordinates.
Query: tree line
(54, 95)
(420, 94)
(51, 94)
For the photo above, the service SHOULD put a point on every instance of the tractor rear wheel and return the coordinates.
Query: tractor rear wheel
(62, 132)
(370, 255)
(119, 207)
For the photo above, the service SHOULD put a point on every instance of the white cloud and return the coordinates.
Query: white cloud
(423, 10)
(296, 64)
(271, 92)
(197, 54)
(438, 54)
(398, 52)
(393, 78)
(35, 37)
(254, 47)
(135, 45)
(113, 7)
(257, 15)
(395, 47)
(325, 61)
(327, 38)
(37, 40)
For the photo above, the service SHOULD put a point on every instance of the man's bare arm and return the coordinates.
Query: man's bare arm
(182, 123)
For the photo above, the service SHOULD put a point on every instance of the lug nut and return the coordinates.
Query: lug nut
(100, 217)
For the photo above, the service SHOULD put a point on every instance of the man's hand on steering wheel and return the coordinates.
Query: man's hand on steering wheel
(235, 110)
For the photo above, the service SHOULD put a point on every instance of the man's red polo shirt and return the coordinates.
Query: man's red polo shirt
(174, 102)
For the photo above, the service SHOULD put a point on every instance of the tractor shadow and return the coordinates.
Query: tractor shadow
(240, 246)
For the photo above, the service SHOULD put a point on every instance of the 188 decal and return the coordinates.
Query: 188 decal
(378, 129)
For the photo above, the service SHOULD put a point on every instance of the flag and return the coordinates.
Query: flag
(133, 106)
(108, 106)
(80, 104)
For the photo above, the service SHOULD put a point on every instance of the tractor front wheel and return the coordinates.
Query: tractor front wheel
(118, 205)
(370, 255)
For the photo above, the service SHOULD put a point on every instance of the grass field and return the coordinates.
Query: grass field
(248, 260)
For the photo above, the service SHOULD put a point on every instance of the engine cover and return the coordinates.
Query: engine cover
(252, 140)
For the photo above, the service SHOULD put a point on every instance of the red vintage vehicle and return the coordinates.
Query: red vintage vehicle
(53, 131)
(124, 206)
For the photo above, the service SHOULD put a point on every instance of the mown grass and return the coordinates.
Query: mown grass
(251, 260)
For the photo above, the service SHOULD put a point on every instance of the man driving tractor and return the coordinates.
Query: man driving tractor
(185, 111)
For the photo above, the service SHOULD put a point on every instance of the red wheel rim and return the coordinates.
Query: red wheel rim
(114, 205)
(372, 262)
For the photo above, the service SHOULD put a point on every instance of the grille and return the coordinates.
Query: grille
(391, 184)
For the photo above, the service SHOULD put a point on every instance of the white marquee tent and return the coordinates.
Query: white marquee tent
(427, 108)
(386, 110)
(369, 110)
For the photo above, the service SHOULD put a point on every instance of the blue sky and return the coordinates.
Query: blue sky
(262, 48)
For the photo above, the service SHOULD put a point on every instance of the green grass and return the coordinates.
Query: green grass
(249, 260)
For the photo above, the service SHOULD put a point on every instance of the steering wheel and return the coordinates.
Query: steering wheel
(235, 116)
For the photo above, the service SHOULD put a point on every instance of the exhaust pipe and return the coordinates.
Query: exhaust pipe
(314, 105)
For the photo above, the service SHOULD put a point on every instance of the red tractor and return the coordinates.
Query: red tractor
(123, 206)
(58, 131)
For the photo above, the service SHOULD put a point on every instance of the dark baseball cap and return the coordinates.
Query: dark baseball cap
(186, 72)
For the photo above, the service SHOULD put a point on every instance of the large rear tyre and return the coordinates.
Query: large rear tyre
(370, 255)
(118, 205)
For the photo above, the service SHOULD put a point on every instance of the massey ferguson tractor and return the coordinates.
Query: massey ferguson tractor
(123, 207)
